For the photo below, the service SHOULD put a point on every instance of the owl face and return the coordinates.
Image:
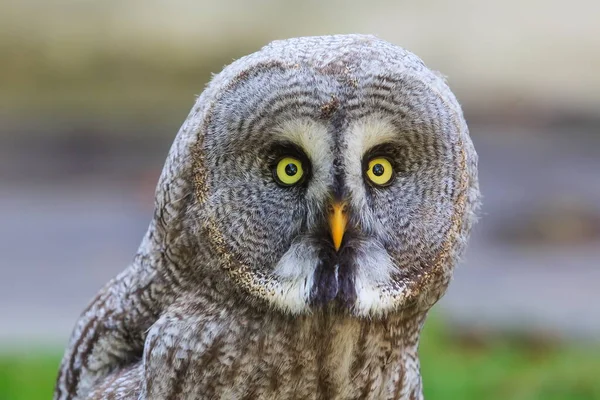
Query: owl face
(342, 185)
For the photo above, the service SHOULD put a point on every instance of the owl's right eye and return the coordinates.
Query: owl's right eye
(288, 171)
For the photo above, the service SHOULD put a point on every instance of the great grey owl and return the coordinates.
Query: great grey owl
(309, 214)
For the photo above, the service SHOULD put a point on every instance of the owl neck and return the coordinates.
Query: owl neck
(377, 359)
(323, 355)
(333, 357)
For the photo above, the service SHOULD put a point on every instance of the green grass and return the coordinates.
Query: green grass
(473, 367)
(513, 368)
(27, 375)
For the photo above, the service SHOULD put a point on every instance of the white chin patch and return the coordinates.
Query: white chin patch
(294, 276)
(373, 301)
(374, 269)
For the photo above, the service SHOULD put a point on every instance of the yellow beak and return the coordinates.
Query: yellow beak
(337, 224)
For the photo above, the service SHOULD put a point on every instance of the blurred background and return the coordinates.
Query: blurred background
(93, 93)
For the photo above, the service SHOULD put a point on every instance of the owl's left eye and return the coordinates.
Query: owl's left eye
(380, 171)
(288, 171)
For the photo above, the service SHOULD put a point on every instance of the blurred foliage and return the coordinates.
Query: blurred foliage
(28, 375)
(515, 368)
(453, 368)
(82, 57)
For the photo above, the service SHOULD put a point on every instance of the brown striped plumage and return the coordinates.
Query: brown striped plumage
(237, 291)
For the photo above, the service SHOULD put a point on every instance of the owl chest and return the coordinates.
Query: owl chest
(276, 362)
(343, 373)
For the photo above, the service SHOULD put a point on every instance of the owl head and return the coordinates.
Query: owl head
(329, 172)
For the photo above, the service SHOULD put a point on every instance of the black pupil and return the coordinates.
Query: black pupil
(291, 169)
(377, 170)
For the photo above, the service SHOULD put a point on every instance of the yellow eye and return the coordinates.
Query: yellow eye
(288, 171)
(380, 171)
